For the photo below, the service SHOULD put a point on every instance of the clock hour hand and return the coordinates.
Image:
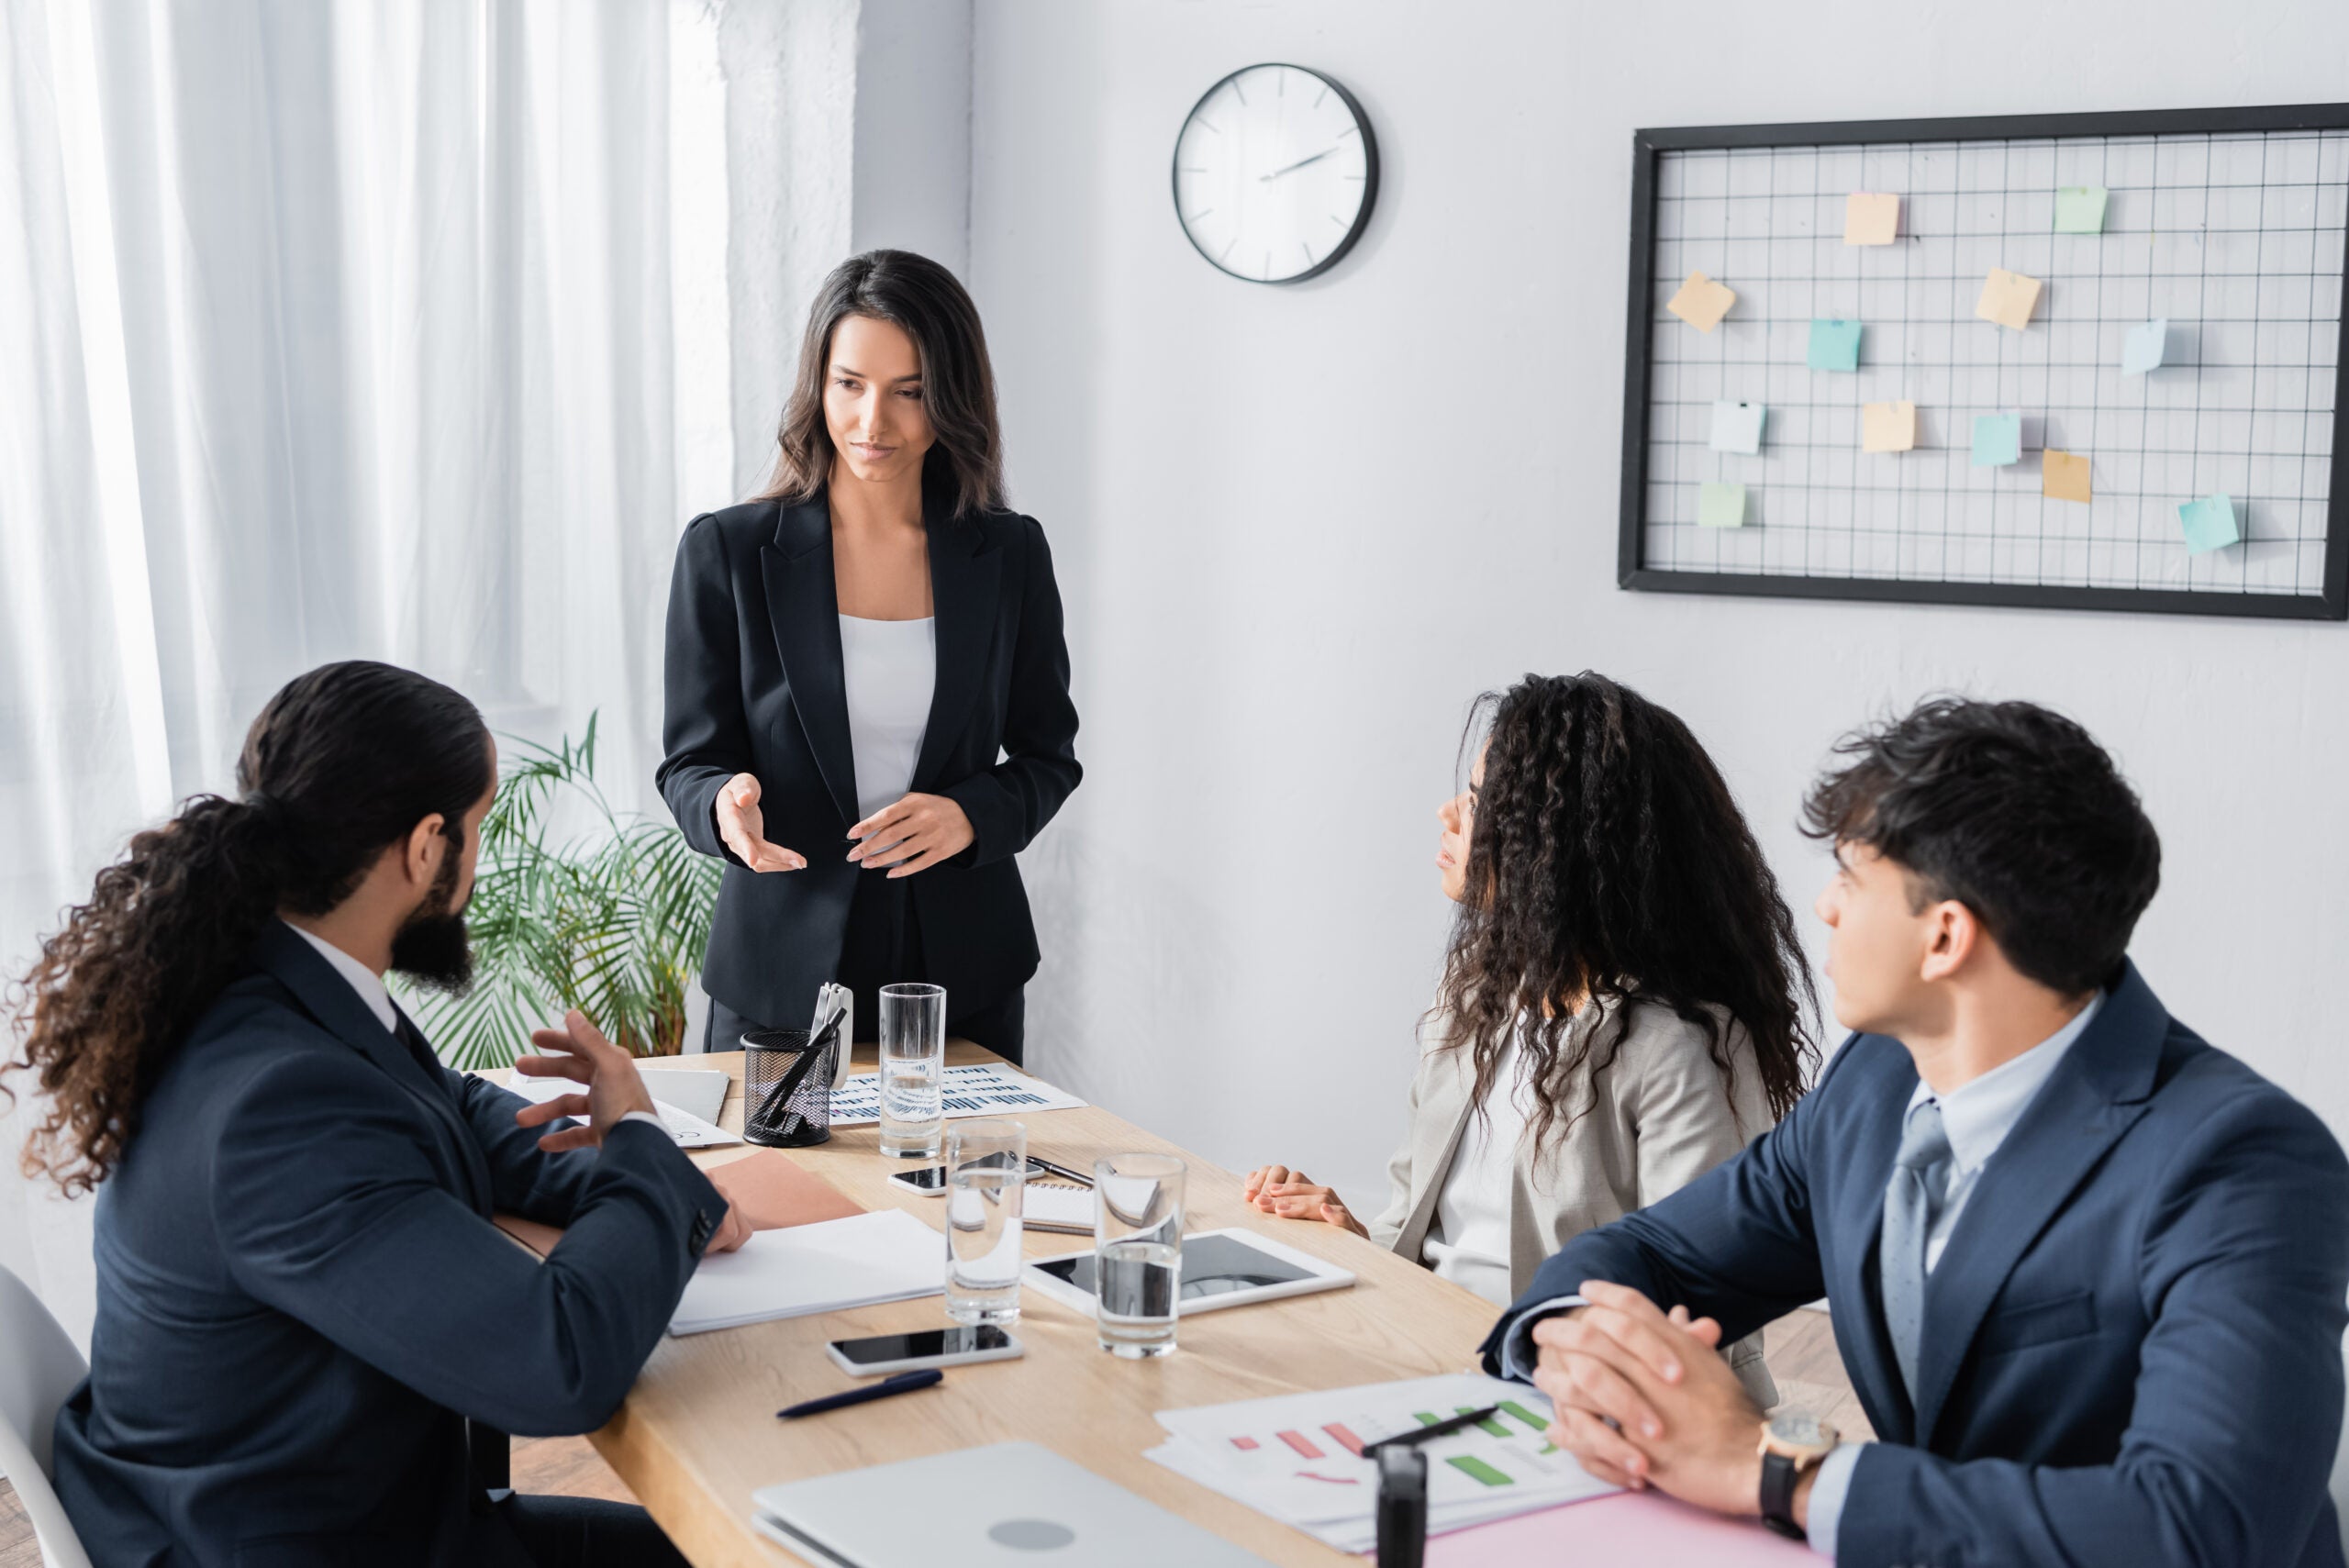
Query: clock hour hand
(1299, 164)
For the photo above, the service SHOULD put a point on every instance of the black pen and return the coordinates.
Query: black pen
(1079, 1177)
(903, 1382)
(1465, 1418)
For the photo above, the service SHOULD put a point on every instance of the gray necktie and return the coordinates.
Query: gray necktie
(1920, 1173)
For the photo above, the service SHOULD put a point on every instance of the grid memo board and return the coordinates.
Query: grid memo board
(2231, 225)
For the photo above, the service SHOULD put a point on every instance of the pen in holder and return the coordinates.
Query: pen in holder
(1402, 1507)
(787, 1087)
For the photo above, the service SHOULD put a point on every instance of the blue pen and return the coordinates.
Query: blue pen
(903, 1382)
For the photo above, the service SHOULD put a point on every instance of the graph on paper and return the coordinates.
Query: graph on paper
(1303, 1453)
(2089, 361)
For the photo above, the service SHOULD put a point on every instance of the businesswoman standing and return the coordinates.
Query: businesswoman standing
(867, 706)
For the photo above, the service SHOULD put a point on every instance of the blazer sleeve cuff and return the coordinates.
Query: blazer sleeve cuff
(1514, 1356)
(981, 798)
(655, 1151)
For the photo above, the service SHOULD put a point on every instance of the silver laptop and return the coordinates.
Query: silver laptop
(1005, 1506)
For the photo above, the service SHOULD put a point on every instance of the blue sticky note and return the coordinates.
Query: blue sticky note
(1998, 440)
(2209, 524)
(2079, 209)
(1720, 505)
(2145, 345)
(1834, 345)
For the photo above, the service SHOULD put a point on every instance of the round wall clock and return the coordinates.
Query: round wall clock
(1274, 173)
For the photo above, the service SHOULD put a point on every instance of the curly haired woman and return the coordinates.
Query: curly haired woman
(1621, 961)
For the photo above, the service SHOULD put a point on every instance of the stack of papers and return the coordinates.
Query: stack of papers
(981, 1088)
(830, 1266)
(1297, 1456)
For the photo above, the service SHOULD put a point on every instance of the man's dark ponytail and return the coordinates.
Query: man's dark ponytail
(342, 763)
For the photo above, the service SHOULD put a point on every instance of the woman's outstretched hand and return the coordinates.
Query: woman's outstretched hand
(744, 827)
(1277, 1189)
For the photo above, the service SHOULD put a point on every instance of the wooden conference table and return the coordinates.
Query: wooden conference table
(698, 1432)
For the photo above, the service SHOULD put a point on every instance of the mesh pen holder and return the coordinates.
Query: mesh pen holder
(787, 1088)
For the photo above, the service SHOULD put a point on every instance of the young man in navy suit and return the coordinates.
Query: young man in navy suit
(2088, 1271)
(301, 1295)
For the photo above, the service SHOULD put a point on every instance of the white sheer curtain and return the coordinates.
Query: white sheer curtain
(394, 330)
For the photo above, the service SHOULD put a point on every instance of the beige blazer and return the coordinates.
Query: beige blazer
(1662, 1118)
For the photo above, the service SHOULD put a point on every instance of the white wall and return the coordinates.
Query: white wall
(1298, 528)
(913, 130)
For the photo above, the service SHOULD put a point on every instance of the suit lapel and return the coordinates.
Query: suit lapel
(965, 573)
(802, 605)
(443, 1100)
(1860, 1330)
(2097, 1094)
(330, 1000)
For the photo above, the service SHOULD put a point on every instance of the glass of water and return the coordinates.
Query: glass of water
(913, 1067)
(986, 1171)
(1137, 1252)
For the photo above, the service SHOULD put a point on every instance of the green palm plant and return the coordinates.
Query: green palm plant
(612, 921)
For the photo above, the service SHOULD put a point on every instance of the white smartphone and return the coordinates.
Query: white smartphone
(880, 1353)
(930, 1180)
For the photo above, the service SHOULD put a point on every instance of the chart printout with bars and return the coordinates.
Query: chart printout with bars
(2210, 242)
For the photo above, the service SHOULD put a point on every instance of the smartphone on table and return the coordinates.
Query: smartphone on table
(879, 1353)
(930, 1180)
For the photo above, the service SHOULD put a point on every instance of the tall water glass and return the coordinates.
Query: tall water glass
(986, 1171)
(913, 1068)
(1137, 1252)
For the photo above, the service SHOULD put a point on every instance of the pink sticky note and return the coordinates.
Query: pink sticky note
(1645, 1528)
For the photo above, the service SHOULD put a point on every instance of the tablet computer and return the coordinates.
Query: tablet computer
(1220, 1268)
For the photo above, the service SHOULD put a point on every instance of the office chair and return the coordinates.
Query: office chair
(38, 1367)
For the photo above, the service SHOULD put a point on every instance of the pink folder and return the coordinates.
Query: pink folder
(1645, 1528)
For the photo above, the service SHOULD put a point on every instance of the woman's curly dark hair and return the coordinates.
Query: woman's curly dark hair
(1607, 860)
(344, 762)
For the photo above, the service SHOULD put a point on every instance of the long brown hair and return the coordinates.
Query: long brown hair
(344, 762)
(1608, 861)
(964, 470)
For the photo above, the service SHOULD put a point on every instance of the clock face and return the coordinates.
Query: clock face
(1274, 173)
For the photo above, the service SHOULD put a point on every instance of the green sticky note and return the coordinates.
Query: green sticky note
(1834, 345)
(2079, 209)
(2209, 524)
(1998, 440)
(1720, 505)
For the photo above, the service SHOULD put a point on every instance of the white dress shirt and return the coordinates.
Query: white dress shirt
(1976, 1116)
(378, 997)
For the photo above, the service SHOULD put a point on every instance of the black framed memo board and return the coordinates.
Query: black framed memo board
(2081, 362)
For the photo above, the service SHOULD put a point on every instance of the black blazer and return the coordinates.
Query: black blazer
(301, 1296)
(753, 685)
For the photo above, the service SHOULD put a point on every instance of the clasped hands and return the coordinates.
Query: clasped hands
(1643, 1400)
(909, 834)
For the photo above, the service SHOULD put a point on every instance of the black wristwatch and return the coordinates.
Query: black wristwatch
(1792, 1442)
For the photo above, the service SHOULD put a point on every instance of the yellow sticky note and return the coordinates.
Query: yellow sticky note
(2063, 476)
(1701, 302)
(2007, 298)
(1887, 426)
(1871, 218)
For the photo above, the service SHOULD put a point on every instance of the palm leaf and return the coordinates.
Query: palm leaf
(612, 921)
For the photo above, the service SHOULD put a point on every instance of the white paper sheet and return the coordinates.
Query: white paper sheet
(830, 1266)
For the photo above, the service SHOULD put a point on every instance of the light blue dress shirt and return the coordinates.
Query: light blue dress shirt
(1976, 1118)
